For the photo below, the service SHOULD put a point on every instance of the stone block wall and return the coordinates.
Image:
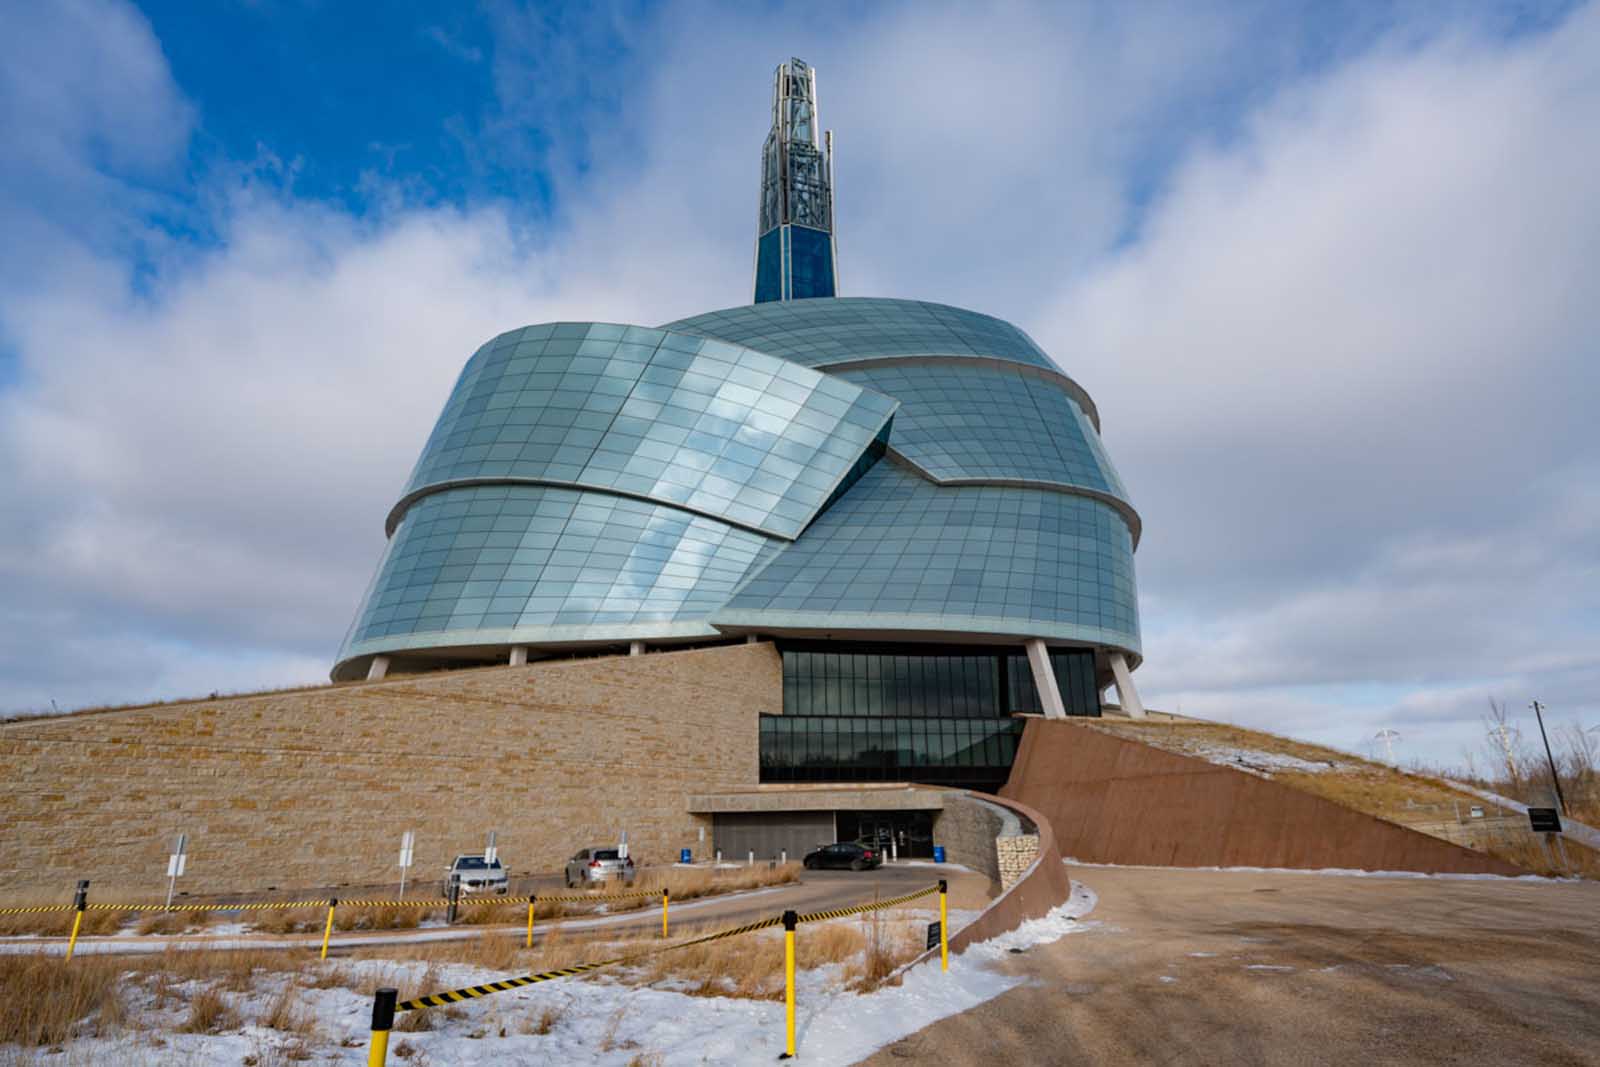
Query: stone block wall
(1016, 854)
(315, 787)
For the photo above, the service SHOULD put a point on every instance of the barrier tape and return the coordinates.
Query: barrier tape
(323, 903)
(839, 913)
(598, 898)
(34, 908)
(455, 996)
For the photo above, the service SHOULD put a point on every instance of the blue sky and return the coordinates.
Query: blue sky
(1322, 267)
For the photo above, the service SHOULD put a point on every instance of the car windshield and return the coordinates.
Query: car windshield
(475, 863)
(605, 854)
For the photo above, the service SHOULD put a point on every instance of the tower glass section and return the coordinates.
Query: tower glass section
(794, 243)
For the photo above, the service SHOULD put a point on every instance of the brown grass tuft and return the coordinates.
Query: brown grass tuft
(46, 1001)
(209, 1013)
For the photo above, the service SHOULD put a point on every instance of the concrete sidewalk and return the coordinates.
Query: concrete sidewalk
(1201, 967)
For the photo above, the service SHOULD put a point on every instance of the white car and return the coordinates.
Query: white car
(475, 875)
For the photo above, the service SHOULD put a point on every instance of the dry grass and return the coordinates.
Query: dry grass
(381, 917)
(286, 1013)
(1420, 801)
(289, 920)
(209, 1013)
(43, 1001)
(174, 922)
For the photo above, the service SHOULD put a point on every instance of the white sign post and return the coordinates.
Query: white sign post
(406, 841)
(175, 865)
(490, 853)
(622, 848)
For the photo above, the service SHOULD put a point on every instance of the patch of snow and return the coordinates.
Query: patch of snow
(1337, 872)
(1168, 978)
(1276, 968)
(599, 1021)
(1253, 760)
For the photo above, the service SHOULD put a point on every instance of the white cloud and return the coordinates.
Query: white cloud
(1348, 369)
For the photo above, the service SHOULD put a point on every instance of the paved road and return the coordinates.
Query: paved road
(816, 891)
(1193, 967)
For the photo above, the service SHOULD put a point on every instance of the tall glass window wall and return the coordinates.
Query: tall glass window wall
(907, 712)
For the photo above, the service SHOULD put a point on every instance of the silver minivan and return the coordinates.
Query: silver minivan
(594, 866)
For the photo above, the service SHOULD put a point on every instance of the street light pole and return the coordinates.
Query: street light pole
(1538, 713)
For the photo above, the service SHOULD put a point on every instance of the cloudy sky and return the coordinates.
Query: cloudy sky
(1332, 275)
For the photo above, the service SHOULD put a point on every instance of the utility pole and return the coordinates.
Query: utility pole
(1388, 738)
(1538, 713)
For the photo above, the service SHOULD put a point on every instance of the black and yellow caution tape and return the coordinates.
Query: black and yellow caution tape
(35, 907)
(839, 913)
(599, 898)
(438, 1000)
(455, 996)
(186, 906)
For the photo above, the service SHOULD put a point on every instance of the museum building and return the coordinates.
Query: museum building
(911, 500)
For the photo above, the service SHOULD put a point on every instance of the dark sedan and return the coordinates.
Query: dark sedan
(842, 856)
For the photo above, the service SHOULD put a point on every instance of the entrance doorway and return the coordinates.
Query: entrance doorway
(910, 833)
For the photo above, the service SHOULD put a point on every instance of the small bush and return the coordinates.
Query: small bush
(45, 1001)
(285, 1013)
(209, 1013)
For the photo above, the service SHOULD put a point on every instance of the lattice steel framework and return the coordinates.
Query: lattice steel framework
(794, 247)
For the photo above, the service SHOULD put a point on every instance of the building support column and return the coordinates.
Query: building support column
(635, 648)
(519, 655)
(379, 668)
(1127, 695)
(752, 639)
(1044, 680)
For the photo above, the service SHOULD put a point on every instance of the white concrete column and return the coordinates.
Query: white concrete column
(379, 668)
(1127, 695)
(519, 655)
(752, 639)
(635, 648)
(1044, 680)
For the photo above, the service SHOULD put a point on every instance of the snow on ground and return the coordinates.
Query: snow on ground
(599, 1021)
(1253, 760)
(1341, 872)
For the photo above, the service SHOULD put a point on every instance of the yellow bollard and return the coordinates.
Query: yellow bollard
(382, 1022)
(944, 926)
(327, 931)
(790, 921)
(664, 895)
(531, 898)
(80, 901)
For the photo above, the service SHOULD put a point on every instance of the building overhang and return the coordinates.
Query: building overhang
(851, 796)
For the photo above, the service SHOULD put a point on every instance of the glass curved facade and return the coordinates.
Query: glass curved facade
(590, 483)
(965, 421)
(897, 553)
(821, 333)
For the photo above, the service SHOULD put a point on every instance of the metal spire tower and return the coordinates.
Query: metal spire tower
(795, 256)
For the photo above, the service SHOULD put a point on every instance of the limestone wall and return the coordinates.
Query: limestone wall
(315, 787)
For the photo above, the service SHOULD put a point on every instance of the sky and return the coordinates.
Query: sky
(1328, 270)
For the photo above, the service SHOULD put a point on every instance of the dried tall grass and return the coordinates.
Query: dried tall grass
(44, 1002)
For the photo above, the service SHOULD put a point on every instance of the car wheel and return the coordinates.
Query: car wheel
(809, 864)
(858, 865)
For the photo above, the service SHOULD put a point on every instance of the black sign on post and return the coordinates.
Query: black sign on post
(1544, 820)
(933, 935)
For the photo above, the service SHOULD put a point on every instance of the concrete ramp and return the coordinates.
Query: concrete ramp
(1114, 800)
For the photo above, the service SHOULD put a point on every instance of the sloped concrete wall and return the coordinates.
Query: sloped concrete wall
(315, 787)
(1112, 800)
